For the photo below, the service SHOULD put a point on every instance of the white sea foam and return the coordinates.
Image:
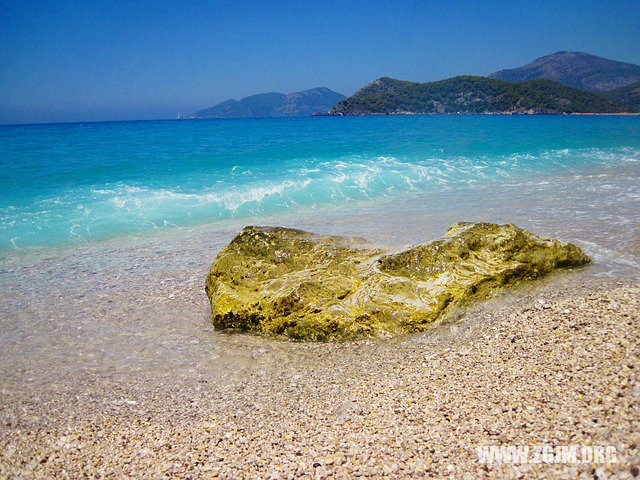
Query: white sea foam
(92, 212)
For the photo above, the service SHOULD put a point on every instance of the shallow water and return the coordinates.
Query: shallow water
(126, 298)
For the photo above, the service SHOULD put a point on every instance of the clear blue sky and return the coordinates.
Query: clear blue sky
(66, 60)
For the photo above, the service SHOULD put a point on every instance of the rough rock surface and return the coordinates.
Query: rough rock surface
(284, 282)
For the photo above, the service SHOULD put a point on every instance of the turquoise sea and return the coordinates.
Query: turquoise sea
(107, 230)
(76, 183)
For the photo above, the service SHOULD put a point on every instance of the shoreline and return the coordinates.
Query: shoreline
(412, 406)
(606, 114)
(92, 122)
(305, 213)
(111, 367)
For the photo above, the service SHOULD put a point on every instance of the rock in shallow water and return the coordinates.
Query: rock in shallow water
(284, 282)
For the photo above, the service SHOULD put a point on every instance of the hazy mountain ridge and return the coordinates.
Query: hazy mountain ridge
(296, 104)
(575, 69)
(471, 94)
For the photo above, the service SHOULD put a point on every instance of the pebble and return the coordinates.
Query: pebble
(414, 407)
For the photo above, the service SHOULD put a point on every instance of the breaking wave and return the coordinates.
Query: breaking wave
(100, 211)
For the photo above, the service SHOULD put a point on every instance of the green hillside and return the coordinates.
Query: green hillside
(628, 95)
(471, 94)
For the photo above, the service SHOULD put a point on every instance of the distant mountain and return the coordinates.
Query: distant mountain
(575, 69)
(297, 104)
(629, 96)
(468, 94)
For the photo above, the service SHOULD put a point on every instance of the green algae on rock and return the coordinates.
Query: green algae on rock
(284, 282)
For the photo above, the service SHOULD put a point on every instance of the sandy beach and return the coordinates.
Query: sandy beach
(554, 364)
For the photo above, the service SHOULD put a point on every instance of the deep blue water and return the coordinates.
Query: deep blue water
(70, 183)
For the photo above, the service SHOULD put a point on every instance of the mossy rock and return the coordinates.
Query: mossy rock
(284, 282)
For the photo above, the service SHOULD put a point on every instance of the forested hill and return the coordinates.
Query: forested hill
(471, 94)
(629, 96)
